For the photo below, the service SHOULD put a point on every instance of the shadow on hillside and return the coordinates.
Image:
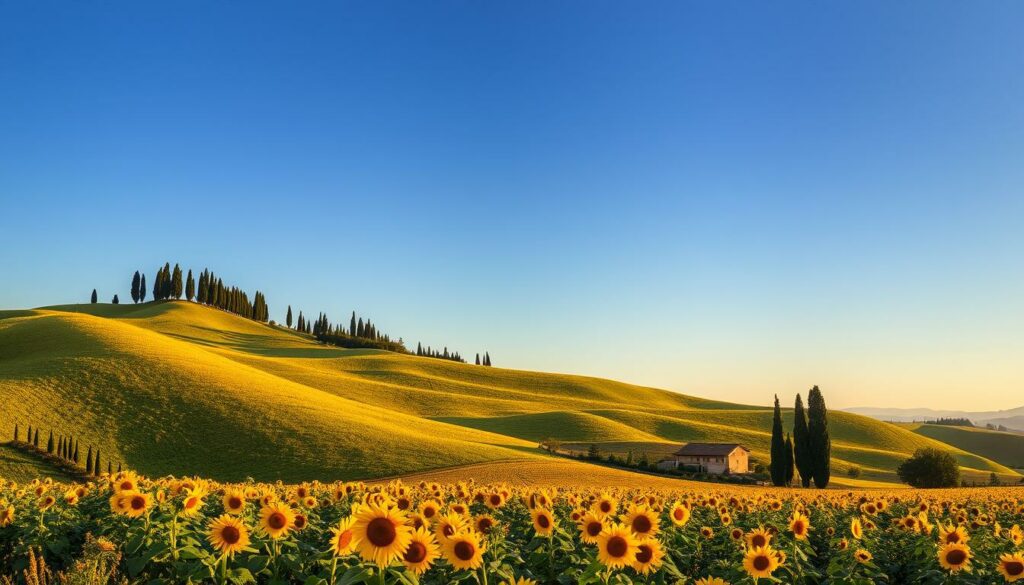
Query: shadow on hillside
(262, 345)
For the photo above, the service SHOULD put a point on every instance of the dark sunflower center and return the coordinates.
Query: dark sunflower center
(798, 528)
(761, 563)
(428, 512)
(1013, 568)
(543, 521)
(617, 546)
(757, 541)
(952, 537)
(644, 554)
(678, 514)
(230, 535)
(344, 538)
(380, 532)
(138, 503)
(606, 507)
(464, 550)
(300, 522)
(594, 528)
(235, 503)
(416, 553)
(277, 521)
(641, 524)
(495, 500)
(484, 525)
(956, 557)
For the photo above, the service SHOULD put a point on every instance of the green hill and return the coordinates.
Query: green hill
(1006, 448)
(175, 387)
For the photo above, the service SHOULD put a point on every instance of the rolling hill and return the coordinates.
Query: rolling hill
(1006, 448)
(174, 387)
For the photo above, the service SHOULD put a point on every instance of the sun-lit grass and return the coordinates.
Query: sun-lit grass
(1006, 448)
(174, 387)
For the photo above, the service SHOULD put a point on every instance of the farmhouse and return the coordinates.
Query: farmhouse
(715, 458)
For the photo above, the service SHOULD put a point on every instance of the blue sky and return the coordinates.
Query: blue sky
(724, 199)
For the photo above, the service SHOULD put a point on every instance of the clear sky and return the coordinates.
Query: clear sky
(721, 198)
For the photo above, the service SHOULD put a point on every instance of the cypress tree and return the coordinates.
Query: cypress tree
(288, 317)
(818, 438)
(94, 298)
(777, 465)
(352, 325)
(478, 359)
(35, 439)
(96, 462)
(142, 289)
(176, 286)
(110, 468)
(190, 286)
(88, 461)
(74, 456)
(136, 283)
(801, 444)
(60, 447)
(790, 470)
(49, 444)
(115, 300)
(165, 281)
(15, 432)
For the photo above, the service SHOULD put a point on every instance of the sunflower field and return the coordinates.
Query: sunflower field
(130, 529)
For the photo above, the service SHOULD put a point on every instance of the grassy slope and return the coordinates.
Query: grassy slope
(169, 387)
(1006, 448)
(16, 465)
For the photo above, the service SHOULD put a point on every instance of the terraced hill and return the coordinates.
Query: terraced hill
(175, 387)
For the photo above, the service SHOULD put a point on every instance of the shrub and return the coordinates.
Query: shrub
(930, 468)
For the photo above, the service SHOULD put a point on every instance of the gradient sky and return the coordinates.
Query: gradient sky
(726, 199)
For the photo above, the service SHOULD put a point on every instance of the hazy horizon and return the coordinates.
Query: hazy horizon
(729, 202)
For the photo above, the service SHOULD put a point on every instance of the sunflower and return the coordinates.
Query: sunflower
(605, 505)
(799, 525)
(193, 501)
(228, 535)
(422, 551)
(519, 581)
(759, 538)
(381, 534)
(448, 524)
(761, 562)
(616, 546)
(343, 537)
(234, 501)
(125, 481)
(955, 557)
(135, 503)
(543, 521)
(1011, 566)
(641, 520)
(707, 532)
(648, 556)
(862, 555)
(47, 502)
(464, 551)
(711, 581)
(495, 500)
(484, 523)
(6, 516)
(1015, 534)
(679, 514)
(429, 510)
(953, 535)
(276, 519)
(591, 526)
(856, 529)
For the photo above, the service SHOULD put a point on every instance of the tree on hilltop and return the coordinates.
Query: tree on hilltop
(136, 283)
(190, 286)
(142, 289)
(176, 285)
(115, 300)
(288, 317)
(94, 298)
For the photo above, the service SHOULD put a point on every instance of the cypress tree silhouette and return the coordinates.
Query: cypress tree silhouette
(96, 463)
(478, 359)
(818, 438)
(190, 286)
(49, 444)
(777, 465)
(115, 300)
(35, 439)
(790, 469)
(288, 317)
(88, 461)
(74, 456)
(136, 285)
(176, 285)
(142, 289)
(801, 444)
(93, 299)
(15, 432)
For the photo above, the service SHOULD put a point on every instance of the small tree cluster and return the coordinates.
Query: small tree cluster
(485, 361)
(442, 354)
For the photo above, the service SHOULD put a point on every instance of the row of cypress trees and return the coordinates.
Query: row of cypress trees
(808, 449)
(66, 449)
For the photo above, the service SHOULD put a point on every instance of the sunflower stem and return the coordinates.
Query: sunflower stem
(334, 568)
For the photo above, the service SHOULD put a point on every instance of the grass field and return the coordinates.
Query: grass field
(174, 387)
(1006, 448)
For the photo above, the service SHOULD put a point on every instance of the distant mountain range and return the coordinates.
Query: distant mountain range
(1012, 418)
